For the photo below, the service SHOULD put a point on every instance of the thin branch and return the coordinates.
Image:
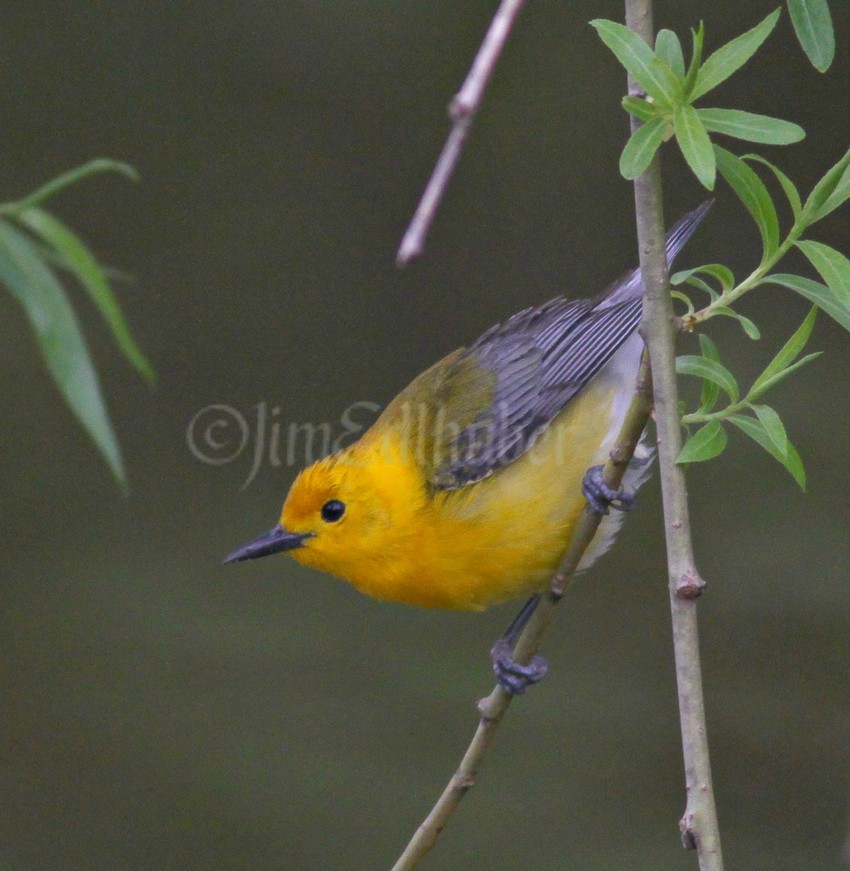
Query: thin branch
(699, 822)
(493, 708)
(462, 111)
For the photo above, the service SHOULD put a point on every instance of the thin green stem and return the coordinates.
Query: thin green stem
(753, 280)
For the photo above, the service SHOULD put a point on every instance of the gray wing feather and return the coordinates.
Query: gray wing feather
(543, 357)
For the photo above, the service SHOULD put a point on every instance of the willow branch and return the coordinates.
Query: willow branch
(699, 822)
(493, 708)
(462, 111)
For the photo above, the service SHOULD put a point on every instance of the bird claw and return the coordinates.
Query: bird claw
(512, 677)
(601, 497)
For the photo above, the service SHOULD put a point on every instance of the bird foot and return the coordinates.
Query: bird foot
(513, 677)
(601, 497)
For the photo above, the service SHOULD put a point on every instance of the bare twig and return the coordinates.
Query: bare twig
(699, 822)
(462, 110)
(493, 708)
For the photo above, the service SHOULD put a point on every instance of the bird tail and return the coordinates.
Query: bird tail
(630, 286)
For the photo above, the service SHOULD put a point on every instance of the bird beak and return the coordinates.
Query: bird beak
(274, 541)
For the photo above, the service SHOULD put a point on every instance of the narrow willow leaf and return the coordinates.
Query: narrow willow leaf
(732, 56)
(81, 262)
(641, 147)
(755, 430)
(710, 370)
(652, 74)
(773, 426)
(705, 444)
(751, 127)
(813, 25)
(716, 270)
(708, 348)
(697, 37)
(815, 292)
(688, 277)
(789, 352)
(787, 185)
(722, 273)
(61, 342)
(830, 192)
(764, 386)
(67, 179)
(695, 145)
(832, 265)
(747, 325)
(669, 49)
(753, 194)
(640, 108)
(710, 389)
(685, 299)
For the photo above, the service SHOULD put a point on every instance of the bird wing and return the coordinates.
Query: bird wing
(482, 407)
(533, 364)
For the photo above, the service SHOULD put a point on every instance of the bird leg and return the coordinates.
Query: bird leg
(512, 677)
(601, 497)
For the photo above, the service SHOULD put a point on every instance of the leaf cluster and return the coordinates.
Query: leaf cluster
(37, 253)
(671, 88)
(667, 111)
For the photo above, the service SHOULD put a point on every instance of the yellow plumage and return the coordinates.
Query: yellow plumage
(467, 489)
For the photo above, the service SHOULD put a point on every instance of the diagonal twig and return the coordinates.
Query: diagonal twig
(493, 708)
(462, 111)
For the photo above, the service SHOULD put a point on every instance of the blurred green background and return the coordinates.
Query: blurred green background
(160, 711)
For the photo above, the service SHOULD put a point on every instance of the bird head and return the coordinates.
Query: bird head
(344, 514)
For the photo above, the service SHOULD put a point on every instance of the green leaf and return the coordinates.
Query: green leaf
(821, 295)
(732, 56)
(695, 145)
(652, 74)
(832, 265)
(72, 177)
(756, 431)
(830, 192)
(697, 37)
(813, 24)
(76, 257)
(641, 147)
(710, 389)
(773, 426)
(753, 194)
(669, 49)
(747, 325)
(685, 299)
(689, 278)
(705, 444)
(62, 345)
(723, 274)
(751, 127)
(789, 352)
(763, 387)
(710, 370)
(640, 108)
(787, 185)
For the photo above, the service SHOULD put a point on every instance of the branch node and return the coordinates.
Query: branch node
(557, 587)
(686, 827)
(461, 108)
(690, 585)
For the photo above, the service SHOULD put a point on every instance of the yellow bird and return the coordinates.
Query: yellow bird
(467, 489)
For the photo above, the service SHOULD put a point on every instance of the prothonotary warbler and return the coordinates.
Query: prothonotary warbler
(467, 489)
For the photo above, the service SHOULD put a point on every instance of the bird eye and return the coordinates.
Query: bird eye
(333, 510)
